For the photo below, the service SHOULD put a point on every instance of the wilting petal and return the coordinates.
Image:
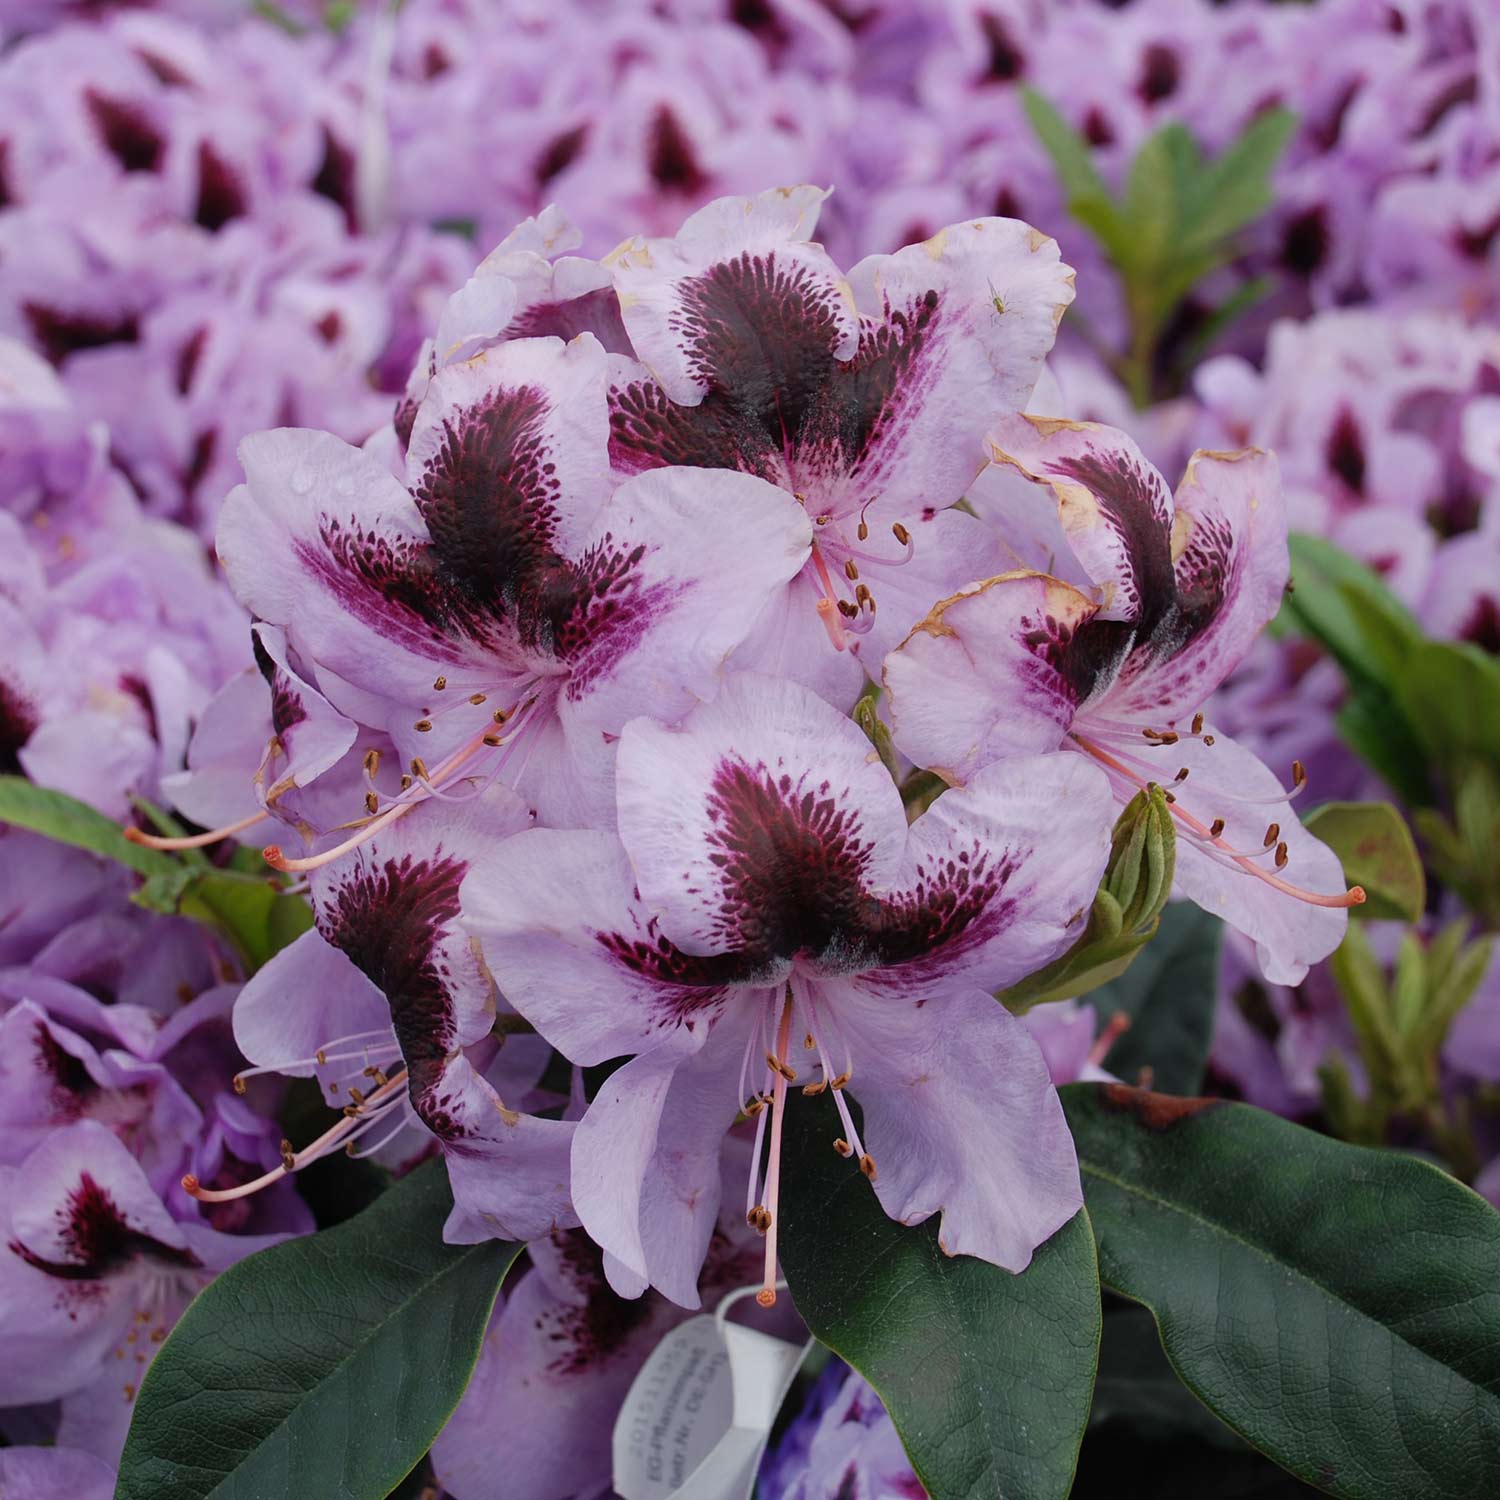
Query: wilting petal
(479, 311)
(1227, 781)
(1231, 567)
(323, 540)
(757, 824)
(1027, 525)
(998, 877)
(738, 263)
(508, 1170)
(998, 670)
(578, 952)
(1115, 509)
(938, 360)
(961, 1118)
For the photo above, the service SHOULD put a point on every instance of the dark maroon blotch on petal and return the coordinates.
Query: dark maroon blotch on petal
(1161, 73)
(388, 919)
(560, 154)
(1346, 451)
(221, 196)
(791, 856)
(98, 1240)
(955, 904)
(1128, 494)
(1305, 241)
(18, 722)
(1482, 628)
(335, 178)
(585, 1336)
(127, 132)
(670, 156)
(60, 332)
(1004, 60)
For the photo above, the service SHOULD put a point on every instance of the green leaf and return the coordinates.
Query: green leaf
(1345, 607)
(1161, 173)
(1235, 190)
(877, 731)
(1138, 1385)
(1450, 692)
(69, 821)
(1371, 725)
(1339, 1307)
(324, 1366)
(1069, 151)
(1377, 851)
(987, 1376)
(1169, 993)
(1130, 898)
(258, 919)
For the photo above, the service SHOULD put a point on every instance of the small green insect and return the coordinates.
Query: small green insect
(996, 300)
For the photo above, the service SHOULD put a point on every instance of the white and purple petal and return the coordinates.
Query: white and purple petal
(758, 824)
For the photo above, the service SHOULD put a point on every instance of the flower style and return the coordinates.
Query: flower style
(507, 609)
(388, 1004)
(1179, 589)
(765, 902)
(866, 398)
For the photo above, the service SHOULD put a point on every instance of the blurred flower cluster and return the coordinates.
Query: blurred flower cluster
(438, 445)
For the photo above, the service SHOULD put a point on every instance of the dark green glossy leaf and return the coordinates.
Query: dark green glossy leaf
(1138, 1385)
(322, 1367)
(1378, 852)
(1169, 993)
(1339, 1307)
(987, 1376)
(1372, 726)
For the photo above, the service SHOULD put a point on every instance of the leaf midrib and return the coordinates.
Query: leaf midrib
(1285, 1265)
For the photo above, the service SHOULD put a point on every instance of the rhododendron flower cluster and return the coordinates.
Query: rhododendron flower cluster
(568, 689)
